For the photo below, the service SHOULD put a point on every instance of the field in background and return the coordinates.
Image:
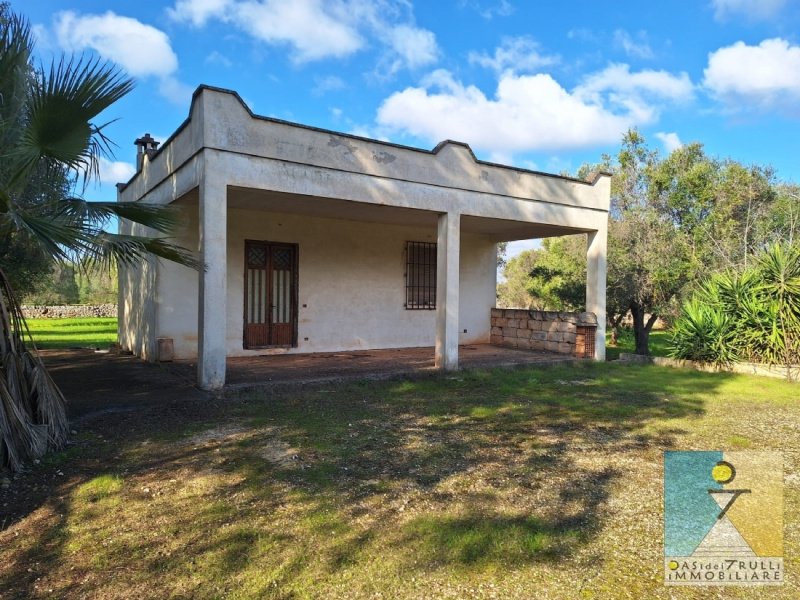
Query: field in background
(99, 332)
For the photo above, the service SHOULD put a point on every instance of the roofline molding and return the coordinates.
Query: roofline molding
(591, 180)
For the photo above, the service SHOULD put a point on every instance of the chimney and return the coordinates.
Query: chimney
(144, 145)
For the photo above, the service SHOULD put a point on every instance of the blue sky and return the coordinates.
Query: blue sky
(542, 85)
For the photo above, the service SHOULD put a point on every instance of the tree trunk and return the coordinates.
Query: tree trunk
(615, 322)
(641, 329)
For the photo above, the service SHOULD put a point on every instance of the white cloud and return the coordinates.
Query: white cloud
(112, 172)
(752, 9)
(619, 80)
(414, 47)
(42, 37)
(531, 112)
(671, 141)
(140, 49)
(197, 12)
(632, 47)
(312, 30)
(518, 54)
(763, 76)
(638, 95)
(502, 8)
(319, 29)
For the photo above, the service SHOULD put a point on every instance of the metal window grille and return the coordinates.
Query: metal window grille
(584, 342)
(420, 275)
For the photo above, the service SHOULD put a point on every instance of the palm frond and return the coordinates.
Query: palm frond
(130, 249)
(32, 409)
(159, 217)
(61, 108)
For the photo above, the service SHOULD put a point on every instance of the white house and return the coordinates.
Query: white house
(321, 241)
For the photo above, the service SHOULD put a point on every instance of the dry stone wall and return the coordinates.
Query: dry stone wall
(549, 331)
(68, 311)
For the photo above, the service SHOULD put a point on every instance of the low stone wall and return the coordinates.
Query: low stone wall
(69, 311)
(776, 371)
(561, 332)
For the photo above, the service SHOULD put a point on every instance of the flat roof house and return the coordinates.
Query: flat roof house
(317, 241)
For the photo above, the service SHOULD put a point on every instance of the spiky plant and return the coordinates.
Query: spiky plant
(47, 128)
(753, 315)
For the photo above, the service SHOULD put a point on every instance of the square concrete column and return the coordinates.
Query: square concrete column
(212, 316)
(447, 266)
(596, 257)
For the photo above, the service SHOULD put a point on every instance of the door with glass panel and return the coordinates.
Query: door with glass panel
(270, 294)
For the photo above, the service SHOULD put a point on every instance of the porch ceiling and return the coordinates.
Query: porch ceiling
(330, 208)
(499, 230)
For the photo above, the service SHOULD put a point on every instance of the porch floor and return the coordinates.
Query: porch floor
(243, 372)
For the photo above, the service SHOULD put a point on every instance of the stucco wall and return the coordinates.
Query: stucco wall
(351, 281)
(136, 306)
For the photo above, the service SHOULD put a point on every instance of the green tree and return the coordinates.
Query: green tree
(649, 258)
(46, 127)
(513, 291)
(558, 279)
(781, 223)
(735, 231)
(552, 277)
(60, 287)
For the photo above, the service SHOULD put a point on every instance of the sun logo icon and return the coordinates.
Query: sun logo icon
(723, 472)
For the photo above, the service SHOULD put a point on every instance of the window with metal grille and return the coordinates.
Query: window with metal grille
(420, 275)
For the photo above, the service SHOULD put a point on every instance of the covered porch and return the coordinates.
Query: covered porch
(345, 210)
(321, 367)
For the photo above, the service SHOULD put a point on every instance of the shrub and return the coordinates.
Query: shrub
(753, 315)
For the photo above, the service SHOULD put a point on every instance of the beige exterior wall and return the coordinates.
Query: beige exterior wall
(351, 281)
(136, 305)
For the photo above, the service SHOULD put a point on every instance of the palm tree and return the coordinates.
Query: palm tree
(47, 130)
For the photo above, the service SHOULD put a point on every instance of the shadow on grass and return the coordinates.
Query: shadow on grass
(481, 540)
(480, 469)
(520, 433)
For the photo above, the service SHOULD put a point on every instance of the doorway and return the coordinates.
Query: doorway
(270, 295)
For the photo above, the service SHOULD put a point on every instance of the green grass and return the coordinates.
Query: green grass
(528, 483)
(98, 332)
(659, 341)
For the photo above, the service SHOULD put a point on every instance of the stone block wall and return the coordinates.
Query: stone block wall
(549, 331)
(69, 311)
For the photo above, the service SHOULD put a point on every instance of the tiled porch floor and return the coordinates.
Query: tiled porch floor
(307, 368)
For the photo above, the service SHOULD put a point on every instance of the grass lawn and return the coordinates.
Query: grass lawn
(658, 344)
(531, 483)
(97, 332)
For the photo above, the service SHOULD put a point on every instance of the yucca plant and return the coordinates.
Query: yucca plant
(779, 269)
(46, 128)
(705, 333)
(753, 315)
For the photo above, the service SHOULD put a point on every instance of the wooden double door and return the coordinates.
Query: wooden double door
(270, 294)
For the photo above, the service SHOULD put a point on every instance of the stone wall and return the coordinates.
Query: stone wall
(68, 311)
(560, 332)
(790, 373)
